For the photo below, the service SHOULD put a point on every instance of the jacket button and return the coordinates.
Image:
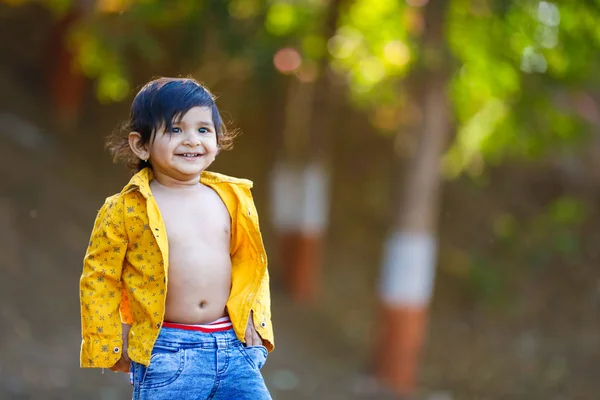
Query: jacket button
(263, 324)
(116, 350)
(249, 213)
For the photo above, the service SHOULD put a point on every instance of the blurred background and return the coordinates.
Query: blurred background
(426, 173)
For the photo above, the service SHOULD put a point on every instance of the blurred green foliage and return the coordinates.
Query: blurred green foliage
(518, 69)
(525, 246)
(523, 64)
(372, 47)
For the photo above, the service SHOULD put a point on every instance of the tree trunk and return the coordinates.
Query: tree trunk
(300, 179)
(408, 269)
(66, 83)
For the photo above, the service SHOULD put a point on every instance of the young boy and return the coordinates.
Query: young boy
(175, 287)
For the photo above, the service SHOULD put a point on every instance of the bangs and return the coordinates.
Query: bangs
(164, 101)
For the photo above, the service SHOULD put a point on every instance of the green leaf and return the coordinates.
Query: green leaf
(282, 19)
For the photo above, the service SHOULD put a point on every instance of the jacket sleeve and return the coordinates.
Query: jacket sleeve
(100, 288)
(262, 313)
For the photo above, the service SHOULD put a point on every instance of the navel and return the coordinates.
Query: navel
(202, 304)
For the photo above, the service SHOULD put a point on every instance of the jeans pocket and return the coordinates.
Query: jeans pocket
(166, 364)
(256, 356)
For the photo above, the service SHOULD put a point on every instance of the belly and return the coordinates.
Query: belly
(199, 285)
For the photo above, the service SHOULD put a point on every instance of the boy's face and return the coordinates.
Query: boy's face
(188, 150)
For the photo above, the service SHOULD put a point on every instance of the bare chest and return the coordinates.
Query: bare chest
(194, 220)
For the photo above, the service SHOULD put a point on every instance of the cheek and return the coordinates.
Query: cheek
(212, 146)
(160, 146)
(157, 153)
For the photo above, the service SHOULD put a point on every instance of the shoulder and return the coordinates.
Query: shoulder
(120, 199)
(114, 199)
(114, 205)
(235, 192)
(222, 179)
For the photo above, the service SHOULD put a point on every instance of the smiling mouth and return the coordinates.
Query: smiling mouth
(190, 155)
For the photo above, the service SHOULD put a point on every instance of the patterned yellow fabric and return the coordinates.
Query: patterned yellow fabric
(125, 271)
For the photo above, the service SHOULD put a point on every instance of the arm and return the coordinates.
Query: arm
(100, 288)
(259, 329)
(261, 316)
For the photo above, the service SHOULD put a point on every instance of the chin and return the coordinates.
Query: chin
(190, 169)
(191, 172)
(195, 170)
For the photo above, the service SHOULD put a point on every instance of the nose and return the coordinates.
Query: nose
(192, 139)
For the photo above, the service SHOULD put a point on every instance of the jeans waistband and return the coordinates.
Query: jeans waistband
(185, 339)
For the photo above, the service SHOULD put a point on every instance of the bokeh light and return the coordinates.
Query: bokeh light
(417, 3)
(396, 53)
(308, 72)
(287, 60)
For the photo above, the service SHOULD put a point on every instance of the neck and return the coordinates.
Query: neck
(183, 182)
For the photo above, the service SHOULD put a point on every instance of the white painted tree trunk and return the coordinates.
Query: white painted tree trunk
(300, 207)
(300, 198)
(300, 180)
(408, 270)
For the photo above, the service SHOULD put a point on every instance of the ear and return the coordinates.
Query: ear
(138, 148)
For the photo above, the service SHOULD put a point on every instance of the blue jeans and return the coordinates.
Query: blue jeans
(198, 365)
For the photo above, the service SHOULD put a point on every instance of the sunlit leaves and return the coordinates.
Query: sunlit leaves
(346, 44)
(92, 54)
(526, 57)
(282, 19)
(396, 53)
(472, 137)
(112, 87)
(372, 48)
(300, 19)
(518, 64)
(98, 60)
(314, 46)
(244, 9)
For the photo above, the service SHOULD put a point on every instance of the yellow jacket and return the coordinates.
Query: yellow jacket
(126, 268)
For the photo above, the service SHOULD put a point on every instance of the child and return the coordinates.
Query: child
(175, 287)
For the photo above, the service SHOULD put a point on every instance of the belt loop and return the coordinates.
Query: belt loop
(221, 339)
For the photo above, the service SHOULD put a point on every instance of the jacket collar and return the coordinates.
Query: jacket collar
(141, 181)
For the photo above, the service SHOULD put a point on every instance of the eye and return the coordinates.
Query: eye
(203, 130)
(176, 130)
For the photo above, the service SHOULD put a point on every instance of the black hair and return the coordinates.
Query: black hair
(157, 105)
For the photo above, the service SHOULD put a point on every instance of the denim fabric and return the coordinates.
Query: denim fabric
(198, 365)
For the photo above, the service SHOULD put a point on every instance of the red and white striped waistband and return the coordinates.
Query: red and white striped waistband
(219, 325)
